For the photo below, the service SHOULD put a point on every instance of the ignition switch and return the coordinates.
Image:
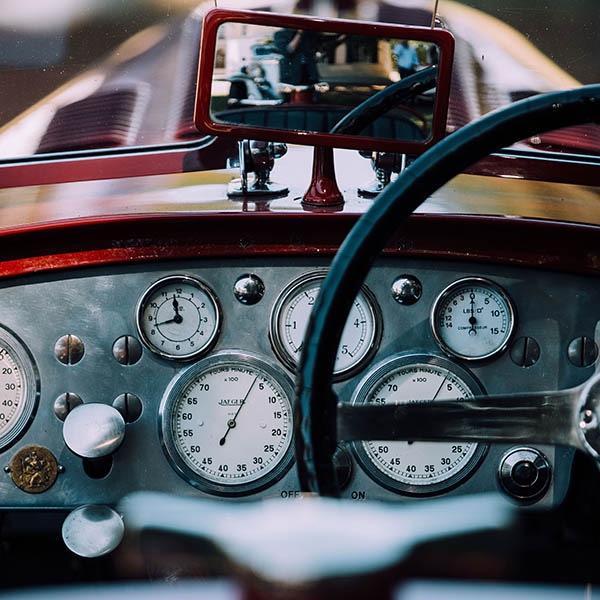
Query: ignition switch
(524, 474)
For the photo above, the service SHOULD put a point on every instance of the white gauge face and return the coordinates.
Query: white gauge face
(178, 317)
(18, 388)
(473, 319)
(290, 319)
(417, 467)
(227, 424)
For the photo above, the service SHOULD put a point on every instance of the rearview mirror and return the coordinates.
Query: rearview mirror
(324, 82)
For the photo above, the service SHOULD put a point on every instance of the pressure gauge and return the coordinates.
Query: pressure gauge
(473, 319)
(178, 317)
(289, 320)
(19, 385)
(226, 424)
(417, 468)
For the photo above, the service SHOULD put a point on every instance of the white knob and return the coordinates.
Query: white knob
(92, 531)
(94, 430)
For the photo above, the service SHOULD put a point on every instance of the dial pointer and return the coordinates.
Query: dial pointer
(232, 422)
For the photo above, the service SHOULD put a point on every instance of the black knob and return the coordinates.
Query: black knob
(524, 474)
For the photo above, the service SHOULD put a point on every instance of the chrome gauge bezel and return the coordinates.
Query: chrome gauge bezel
(506, 320)
(176, 393)
(285, 348)
(29, 383)
(146, 326)
(378, 376)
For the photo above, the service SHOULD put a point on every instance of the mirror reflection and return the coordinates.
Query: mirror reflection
(324, 82)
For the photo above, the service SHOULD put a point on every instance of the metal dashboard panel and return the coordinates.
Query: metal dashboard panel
(98, 305)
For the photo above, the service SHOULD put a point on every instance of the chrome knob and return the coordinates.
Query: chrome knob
(92, 531)
(525, 474)
(94, 430)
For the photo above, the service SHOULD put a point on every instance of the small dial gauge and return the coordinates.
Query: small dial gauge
(473, 319)
(178, 317)
(417, 468)
(289, 320)
(19, 388)
(226, 424)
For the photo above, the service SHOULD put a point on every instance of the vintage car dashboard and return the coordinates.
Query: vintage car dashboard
(197, 355)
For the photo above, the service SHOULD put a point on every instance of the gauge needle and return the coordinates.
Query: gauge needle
(232, 422)
(439, 389)
(177, 318)
(472, 319)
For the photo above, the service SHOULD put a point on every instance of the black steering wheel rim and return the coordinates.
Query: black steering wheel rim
(316, 438)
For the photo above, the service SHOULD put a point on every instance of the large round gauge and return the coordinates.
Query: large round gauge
(473, 319)
(19, 388)
(226, 424)
(417, 468)
(290, 319)
(178, 317)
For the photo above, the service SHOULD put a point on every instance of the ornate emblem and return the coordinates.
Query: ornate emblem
(34, 469)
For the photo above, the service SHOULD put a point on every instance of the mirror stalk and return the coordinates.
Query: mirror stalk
(323, 189)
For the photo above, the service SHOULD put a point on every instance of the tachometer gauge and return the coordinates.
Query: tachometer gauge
(226, 424)
(19, 388)
(473, 319)
(290, 318)
(417, 468)
(178, 317)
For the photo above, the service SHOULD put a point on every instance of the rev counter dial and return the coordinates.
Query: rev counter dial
(19, 388)
(289, 320)
(417, 468)
(226, 424)
(473, 319)
(178, 317)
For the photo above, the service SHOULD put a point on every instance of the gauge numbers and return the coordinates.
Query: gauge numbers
(19, 388)
(178, 317)
(290, 319)
(417, 468)
(226, 424)
(473, 319)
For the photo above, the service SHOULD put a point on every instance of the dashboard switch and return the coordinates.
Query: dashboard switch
(524, 474)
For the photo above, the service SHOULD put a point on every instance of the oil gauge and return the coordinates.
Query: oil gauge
(473, 319)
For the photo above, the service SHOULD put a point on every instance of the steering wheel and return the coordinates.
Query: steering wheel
(570, 417)
(389, 97)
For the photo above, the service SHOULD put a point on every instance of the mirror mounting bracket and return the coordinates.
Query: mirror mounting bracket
(259, 158)
(385, 164)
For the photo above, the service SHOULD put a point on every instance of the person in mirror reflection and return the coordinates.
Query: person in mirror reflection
(406, 57)
(299, 64)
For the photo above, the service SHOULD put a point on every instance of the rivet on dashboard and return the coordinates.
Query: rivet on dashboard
(34, 469)
(69, 349)
(249, 289)
(127, 350)
(407, 290)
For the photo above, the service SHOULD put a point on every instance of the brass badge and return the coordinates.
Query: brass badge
(34, 469)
